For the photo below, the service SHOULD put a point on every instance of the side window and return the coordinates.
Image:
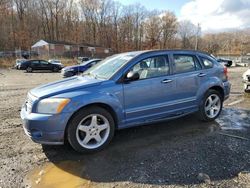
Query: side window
(152, 67)
(185, 63)
(35, 63)
(93, 63)
(207, 63)
(44, 62)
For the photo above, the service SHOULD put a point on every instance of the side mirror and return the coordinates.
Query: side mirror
(132, 76)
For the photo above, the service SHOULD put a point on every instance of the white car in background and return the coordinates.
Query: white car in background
(18, 62)
(246, 80)
(56, 61)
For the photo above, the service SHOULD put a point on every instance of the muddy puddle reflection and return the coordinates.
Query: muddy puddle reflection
(167, 153)
(65, 174)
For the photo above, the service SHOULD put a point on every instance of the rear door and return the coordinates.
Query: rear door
(187, 72)
(44, 65)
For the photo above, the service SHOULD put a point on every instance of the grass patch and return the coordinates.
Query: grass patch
(7, 62)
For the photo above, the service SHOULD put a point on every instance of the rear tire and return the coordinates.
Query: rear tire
(91, 129)
(55, 69)
(211, 106)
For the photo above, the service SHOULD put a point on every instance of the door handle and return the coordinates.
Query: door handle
(201, 74)
(166, 81)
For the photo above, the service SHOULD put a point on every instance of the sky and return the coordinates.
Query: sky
(212, 15)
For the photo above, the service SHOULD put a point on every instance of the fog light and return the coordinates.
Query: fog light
(36, 133)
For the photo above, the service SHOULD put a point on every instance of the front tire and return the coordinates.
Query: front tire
(29, 69)
(211, 106)
(68, 74)
(91, 129)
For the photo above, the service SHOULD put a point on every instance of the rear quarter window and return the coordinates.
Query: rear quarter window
(207, 62)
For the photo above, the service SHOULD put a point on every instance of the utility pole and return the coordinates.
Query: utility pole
(197, 36)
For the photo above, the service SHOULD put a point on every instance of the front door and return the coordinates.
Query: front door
(35, 64)
(149, 97)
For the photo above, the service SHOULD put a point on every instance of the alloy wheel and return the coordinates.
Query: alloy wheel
(93, 131)
(212, 106)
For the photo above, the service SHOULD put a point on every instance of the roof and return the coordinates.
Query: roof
(46, 42)
(159, 52)
(59, 42)
(90, 45)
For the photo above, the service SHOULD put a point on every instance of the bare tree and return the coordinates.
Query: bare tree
(153, 30)
(107, 23)
(169, 29)
(186, 32)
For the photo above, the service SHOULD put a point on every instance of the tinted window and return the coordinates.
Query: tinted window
(185, 63)
(93, 63)
(44, 62)
(207, 63)
(152, 67)
(35, 63)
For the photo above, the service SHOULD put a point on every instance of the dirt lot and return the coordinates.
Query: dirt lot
(178, 153)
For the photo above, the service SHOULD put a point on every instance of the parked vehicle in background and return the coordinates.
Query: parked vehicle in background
(18, 62)
(82, 59)
(33, 65)
(225, 62)
(77, 69)
(56, 62)
(246, 80)
(125, 90)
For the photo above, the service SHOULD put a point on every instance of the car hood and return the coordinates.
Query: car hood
(65, 85)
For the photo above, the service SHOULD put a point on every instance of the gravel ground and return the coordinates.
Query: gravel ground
(178, 153)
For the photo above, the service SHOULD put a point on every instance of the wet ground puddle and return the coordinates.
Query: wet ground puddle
(234, 119)
(65, 174)
(71, 173)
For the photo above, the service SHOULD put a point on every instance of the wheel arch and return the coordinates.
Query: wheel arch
(98, 104)
(219, 89)
(206, 87)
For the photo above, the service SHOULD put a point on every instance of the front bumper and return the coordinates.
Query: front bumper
(66, 74)
(45, 128)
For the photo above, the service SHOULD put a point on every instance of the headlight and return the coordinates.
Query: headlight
(52, 105)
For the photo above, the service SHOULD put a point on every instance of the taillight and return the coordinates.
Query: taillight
(225, 73)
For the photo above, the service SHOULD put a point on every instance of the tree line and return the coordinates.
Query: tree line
(109, 24)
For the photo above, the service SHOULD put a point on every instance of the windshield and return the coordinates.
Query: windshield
(54, 61)
(108, 67)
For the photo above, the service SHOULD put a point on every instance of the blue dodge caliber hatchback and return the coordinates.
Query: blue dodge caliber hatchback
(125, 90)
